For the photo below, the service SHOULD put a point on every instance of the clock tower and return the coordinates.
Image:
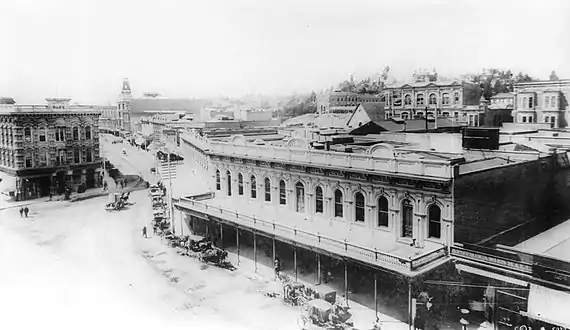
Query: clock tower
(124, 107)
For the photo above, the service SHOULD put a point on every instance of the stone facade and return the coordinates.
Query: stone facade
(49, 147)
(542, 102)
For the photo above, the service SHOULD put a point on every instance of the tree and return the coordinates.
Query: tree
(495, 81)
(553, 75)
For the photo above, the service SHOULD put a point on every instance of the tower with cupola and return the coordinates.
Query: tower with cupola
(124, 106)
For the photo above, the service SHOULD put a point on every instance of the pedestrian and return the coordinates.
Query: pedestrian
(144, 232)
(26, 210)
(277, 267)
(50, 195)
(21, 211)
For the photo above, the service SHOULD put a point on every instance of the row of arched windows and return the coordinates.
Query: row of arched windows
(432, 100)
(338, 210)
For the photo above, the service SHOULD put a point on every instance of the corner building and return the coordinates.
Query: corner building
(44, 148)
(385, 207)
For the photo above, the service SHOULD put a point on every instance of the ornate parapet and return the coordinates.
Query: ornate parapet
(381, 158)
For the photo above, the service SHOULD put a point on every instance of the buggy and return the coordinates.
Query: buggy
(319, 314)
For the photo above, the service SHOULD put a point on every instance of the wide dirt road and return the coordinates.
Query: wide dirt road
(167, 287)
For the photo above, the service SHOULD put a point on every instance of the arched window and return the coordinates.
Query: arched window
(300, 197)
(28, 134)
(75, 133)
(407, 218)
(282, 193)
(404, 115)
(87, 132)
(229, 179)
(359, 207)
(240, 184)
(420, 99)
(434, 214)
(218, 183)
(338, 207)
(408, 99)
(319, 200)
(253, 187)
(445, 99)
(432, 99)
(382, 212)
(267, 190)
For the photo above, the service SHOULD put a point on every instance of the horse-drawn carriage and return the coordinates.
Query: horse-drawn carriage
(319, 314)
(117, 201)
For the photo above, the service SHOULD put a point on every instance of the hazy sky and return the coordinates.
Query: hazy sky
(187, 48)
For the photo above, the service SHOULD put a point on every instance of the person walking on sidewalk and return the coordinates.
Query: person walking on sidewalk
(144, 232)
(26, 210)
(50, 195)
(21, 211)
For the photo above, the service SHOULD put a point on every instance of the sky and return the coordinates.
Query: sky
(186, 48)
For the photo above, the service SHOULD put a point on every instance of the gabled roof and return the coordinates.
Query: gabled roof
(374, 110)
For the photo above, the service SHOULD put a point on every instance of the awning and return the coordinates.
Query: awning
(488, 274)
(7, 183)
(549, 305)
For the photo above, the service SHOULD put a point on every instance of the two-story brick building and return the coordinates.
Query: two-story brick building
(544, 101)
(396, 205)
(460, 100)
(44, 148)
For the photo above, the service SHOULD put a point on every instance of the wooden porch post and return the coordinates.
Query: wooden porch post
(346, 281)
(221, 236)
(318, 268)
(237, 239)
(254, 252)
(410, 309)
(295, 261)
(375, 294)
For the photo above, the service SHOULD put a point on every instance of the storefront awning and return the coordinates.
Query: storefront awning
(7, 183)
(549, 305)
(488, 274)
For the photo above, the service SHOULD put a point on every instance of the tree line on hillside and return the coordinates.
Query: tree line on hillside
(492, 82)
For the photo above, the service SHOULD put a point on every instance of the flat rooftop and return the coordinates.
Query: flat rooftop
(554, 242)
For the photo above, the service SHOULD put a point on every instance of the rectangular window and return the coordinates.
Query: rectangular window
(88, 155)
(42, 136)
(524, 119)
(68, 136)
(530, 119)
(29, 162)
(547, 102)
(76, 156)
(530, 102)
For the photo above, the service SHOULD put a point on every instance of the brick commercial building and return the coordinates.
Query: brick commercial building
(542, 102)
(459, 100)
(44, 148)
(394, 204)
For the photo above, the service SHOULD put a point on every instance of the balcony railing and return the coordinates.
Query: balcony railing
(364, 162)
(340, 247)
